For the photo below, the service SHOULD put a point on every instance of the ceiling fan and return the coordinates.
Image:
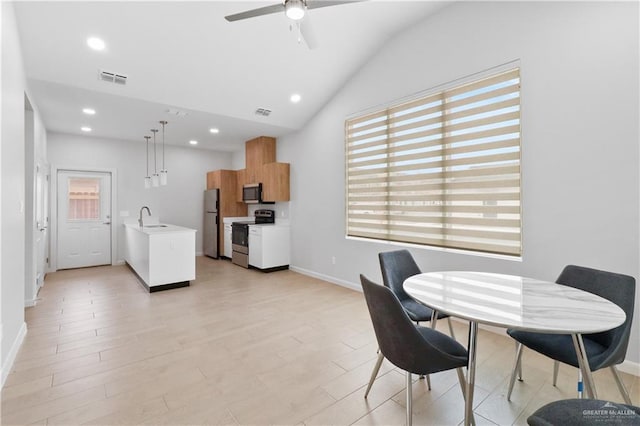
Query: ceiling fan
(294, 10)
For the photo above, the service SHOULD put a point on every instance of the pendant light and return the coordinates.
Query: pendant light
(155, 179)
(163, 171)
(147, 178)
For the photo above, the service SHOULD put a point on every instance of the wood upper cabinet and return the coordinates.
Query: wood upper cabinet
(258, 151)
(225, 180)
(261, 167)
(240, 181)
(275, 182)
(214, 179)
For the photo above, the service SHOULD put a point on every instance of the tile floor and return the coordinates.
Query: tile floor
(242, 347)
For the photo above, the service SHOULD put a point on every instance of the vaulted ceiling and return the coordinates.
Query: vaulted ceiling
(185, 57)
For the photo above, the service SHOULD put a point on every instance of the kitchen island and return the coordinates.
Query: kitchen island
(162, 255)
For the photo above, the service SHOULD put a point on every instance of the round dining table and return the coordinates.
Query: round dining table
(517, 302)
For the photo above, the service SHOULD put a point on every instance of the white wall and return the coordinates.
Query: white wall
(2, 356)
(238, 159)
(579, 68)
(178, 203)
(12, 187)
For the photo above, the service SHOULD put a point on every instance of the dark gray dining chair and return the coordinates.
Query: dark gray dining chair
(397, 266)
(585, 412)
(410, 347)
(606, 349)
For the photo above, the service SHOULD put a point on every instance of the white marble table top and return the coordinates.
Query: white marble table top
(515, 302)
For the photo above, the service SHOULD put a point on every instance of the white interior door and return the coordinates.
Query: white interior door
(42, 222)
(84, 219)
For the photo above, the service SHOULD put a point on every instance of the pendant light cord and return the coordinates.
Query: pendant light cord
(155, 158)
(163, 124)
(147, 138)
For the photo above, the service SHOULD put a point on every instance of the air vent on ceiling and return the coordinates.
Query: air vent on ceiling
(112, 77)
(176, 112)
(264, 112)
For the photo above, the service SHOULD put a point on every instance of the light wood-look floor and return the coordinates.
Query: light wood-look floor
(242, 347)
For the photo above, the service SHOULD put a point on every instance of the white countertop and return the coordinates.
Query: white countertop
(229, 220)
(155, 229)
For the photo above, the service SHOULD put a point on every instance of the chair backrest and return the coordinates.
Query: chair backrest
(617, 288)
(396, 267)
(398, 338)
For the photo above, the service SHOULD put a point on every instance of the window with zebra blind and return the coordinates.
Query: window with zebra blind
(440, 169)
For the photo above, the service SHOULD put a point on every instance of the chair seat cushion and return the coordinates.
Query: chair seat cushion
(581, 412)
(444, 343)
(560, 347)
(417, 311)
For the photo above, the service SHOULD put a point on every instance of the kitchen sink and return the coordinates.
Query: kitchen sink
(155, 226)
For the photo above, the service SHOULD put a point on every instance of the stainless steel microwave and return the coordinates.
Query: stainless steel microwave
(252, 193)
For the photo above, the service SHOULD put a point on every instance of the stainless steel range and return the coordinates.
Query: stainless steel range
(240, 236)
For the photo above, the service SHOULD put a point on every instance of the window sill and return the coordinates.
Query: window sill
(440, 249)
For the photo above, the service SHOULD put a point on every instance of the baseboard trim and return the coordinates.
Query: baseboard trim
(333, 280)
(630, 367)
(11, 356)
(29, 303)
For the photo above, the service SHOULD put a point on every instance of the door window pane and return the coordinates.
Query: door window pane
(84, 199)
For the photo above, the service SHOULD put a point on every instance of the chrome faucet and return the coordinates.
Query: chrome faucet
(140, 218)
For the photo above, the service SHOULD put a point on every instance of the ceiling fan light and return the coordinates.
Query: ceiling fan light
(294, 9)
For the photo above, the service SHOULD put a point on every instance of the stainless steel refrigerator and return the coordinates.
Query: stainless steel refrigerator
(210, 234)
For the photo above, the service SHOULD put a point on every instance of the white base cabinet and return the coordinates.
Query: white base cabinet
(269, 246)
(228, 249)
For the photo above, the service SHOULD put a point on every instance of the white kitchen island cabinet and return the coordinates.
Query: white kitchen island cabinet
(163, 256)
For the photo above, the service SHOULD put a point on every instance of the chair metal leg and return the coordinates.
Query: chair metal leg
(428, 382)
(434, 318)
(516, 368)
(585, 369)
(621, 387)
(556, 367)
(409, 400)
(520, 372)
(462, 381)
(374, 373)
(451, 328)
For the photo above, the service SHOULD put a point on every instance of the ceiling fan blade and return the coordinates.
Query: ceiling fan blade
(267, 10)
(308, 34)
(315, 4)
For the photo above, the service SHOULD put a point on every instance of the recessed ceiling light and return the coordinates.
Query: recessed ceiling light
(193, 142)
(85, 129)
(96, 43)
(214, 130)
(295, 98)
(89, 111)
